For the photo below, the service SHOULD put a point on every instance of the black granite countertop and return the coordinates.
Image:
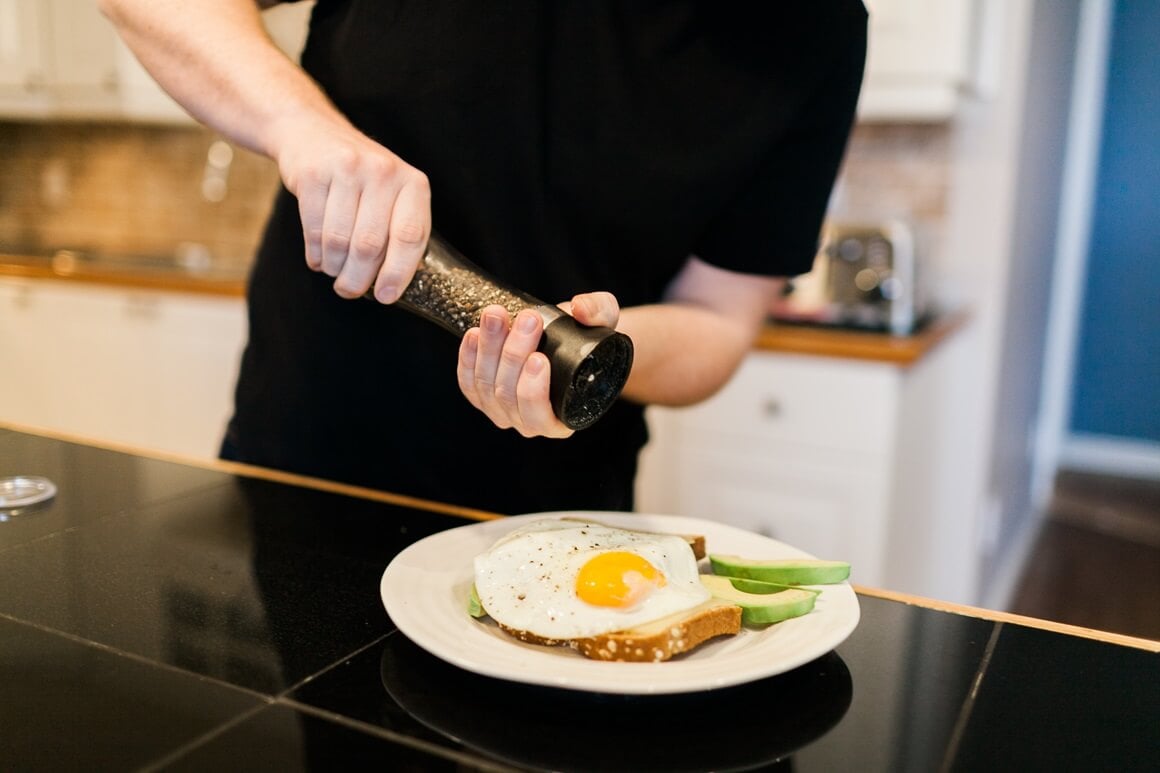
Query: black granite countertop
(159, 616)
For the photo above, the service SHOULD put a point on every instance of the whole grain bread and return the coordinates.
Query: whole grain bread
(658, 640)
(655, 641)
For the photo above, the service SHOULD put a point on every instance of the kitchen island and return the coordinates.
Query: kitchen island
(161, 615)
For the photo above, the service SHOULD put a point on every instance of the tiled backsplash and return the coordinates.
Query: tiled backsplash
(898, 171)
(130, 189)
(152, 190)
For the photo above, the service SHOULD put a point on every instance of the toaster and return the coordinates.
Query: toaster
(865, 276)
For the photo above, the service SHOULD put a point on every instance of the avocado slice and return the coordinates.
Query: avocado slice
(786, 571)
(761, 608)
(758, 586)
(474, 605)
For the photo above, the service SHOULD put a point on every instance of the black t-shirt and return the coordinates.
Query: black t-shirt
(571, 146)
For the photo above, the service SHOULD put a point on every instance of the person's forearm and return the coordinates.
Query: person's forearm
(687, 347)
(683, 353)
(215, 58)
(365, 212)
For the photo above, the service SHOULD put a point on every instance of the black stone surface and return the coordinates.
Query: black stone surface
(162, 617)
(91, 483)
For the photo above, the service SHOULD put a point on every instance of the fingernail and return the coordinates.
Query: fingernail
(470, 348)
(492, 323)
(388, 293)
(535, 365)
(526, 323)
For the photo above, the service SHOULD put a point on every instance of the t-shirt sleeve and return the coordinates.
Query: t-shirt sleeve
(772, 224)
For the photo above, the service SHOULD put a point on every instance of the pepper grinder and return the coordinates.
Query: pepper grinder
(589, 365)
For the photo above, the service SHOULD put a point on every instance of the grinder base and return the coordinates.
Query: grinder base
(590, 366)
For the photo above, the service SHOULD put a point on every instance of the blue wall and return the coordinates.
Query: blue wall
(1116, 389)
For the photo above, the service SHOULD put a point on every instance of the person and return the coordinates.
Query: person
(659, 167)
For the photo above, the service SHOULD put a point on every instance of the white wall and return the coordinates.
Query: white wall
(1009, 149)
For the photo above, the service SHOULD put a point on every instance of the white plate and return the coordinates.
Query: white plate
(425, 591)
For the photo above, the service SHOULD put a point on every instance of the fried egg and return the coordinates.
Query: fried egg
(564, 579)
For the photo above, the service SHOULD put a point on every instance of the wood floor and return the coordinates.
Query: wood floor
(1096, 562)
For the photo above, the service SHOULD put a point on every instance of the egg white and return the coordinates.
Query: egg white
(527, 579)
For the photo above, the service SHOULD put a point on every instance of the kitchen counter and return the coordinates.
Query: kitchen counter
(163, 616)
(153, 273)
(860, 344)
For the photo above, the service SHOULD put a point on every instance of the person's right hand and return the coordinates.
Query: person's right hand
(366, 213)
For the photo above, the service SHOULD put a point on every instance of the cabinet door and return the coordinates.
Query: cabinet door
(21, 46)
(24, 333)
(796, 448)
(56, 59)
(194, 344)
(146, 368)
(918, 58)
(811, 401)
(82, 59)
(833, 506)
(59, 342)
(62, 58)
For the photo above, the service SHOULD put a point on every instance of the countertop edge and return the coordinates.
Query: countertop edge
(168, 280)
(903, 351)
(998, 616)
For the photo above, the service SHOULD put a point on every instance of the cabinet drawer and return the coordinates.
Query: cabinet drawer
(831, 511)
(810, 400)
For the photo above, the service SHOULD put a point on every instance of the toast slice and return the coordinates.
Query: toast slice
(655, 641)
(661, 639)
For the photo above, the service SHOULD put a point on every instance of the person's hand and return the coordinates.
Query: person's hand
(501, 373)
(366, 213)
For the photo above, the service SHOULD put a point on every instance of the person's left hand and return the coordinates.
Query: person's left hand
(501, 373)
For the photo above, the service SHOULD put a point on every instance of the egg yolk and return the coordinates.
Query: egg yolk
(617, 579)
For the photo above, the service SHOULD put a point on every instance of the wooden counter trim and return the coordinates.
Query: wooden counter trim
(143, 278)
(858, 345)
(1008, 617)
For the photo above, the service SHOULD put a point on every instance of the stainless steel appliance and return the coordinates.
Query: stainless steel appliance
(865, 275)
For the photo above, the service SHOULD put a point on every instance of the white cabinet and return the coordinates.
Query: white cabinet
(919, 60)
(846, 459)
(56, 58)
(21, 50)
(63, 59)
(149, 368)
